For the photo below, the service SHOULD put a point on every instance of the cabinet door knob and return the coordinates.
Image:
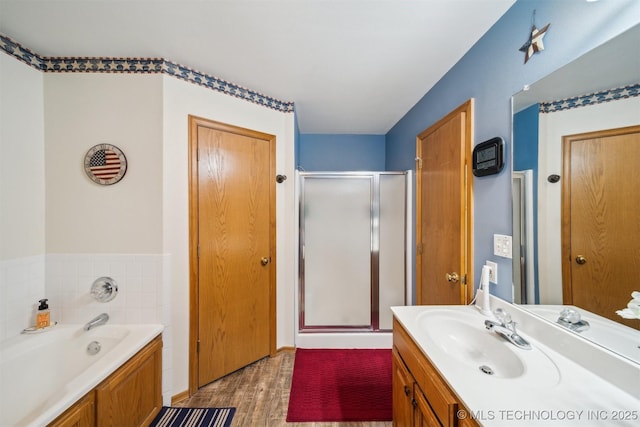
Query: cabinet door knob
(407, 390)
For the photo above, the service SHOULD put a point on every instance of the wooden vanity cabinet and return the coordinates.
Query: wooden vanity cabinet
(402, 385)
(424, 416)
(81, 414)
(410, 407)
(131, 396)
(420, 395)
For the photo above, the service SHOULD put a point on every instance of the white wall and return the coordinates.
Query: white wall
(21, 159)
(552, 127)
(180, 100)
(91, 230)
(82, 110)
(22, 194)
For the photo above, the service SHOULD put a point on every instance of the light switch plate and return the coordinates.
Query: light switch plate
(502, 245)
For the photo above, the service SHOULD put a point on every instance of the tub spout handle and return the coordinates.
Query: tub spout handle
(99, 320)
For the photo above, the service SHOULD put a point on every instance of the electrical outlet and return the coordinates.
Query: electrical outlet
(493, 271)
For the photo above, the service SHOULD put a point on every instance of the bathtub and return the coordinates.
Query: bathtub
(43, 374)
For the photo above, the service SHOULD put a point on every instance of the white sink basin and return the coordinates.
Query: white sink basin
(472, 346)
(460, 337)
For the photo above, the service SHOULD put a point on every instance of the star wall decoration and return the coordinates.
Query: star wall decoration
(534, 44)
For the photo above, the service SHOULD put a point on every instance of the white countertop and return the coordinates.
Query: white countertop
(555, 388)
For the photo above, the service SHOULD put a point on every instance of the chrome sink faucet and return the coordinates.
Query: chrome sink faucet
(506, 328)
(570, 319)
(99, 320)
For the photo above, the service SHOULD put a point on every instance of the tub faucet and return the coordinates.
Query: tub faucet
(100, 320)
(506, 328)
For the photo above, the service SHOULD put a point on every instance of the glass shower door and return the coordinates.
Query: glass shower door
(337, 252)
(352, 250)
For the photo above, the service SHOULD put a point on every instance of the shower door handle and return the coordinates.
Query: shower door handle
(452, 277)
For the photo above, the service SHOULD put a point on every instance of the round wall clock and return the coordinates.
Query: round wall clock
(105, 164)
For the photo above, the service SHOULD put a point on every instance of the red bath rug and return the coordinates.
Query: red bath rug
(341, 385)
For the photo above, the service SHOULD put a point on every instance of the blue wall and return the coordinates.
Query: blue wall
(493, 70)
(337, 153)
(525, 156)
(525, 131)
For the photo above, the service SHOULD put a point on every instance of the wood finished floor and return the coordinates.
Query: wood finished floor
(260, 394)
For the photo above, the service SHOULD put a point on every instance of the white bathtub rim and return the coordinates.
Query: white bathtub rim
(138, 337)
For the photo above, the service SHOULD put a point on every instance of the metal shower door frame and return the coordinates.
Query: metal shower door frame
(374, 177)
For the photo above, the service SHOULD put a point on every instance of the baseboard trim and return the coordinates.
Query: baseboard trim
(180, 397)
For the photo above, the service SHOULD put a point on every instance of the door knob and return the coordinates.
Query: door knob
(580, 259)
(264, 260)
(452, 277)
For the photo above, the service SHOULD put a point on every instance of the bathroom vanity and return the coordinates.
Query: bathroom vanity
(450, 370)
(420, 396)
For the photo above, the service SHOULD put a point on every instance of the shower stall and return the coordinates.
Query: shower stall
(352, 257)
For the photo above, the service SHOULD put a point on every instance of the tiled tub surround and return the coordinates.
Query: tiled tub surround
(139, 277)
(66, 279)
(22, 284)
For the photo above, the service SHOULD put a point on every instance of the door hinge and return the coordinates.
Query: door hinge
(198, 346)
(418, 162)
(198, 250)
(419, 249)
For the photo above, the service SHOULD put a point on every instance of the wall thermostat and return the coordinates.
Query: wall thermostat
(488, 157)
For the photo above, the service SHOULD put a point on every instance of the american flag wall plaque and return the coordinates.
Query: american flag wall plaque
(105, 164)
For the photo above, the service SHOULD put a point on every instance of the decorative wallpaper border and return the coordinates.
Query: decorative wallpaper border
(591, 99)
(139, 66)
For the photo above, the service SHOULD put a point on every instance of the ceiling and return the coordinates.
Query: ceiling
(350, 66)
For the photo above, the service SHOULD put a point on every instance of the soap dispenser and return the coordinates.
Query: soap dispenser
(43, 316)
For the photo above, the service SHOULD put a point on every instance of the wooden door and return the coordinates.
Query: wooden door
(233, 248)
(443, 209)
(601, 220)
